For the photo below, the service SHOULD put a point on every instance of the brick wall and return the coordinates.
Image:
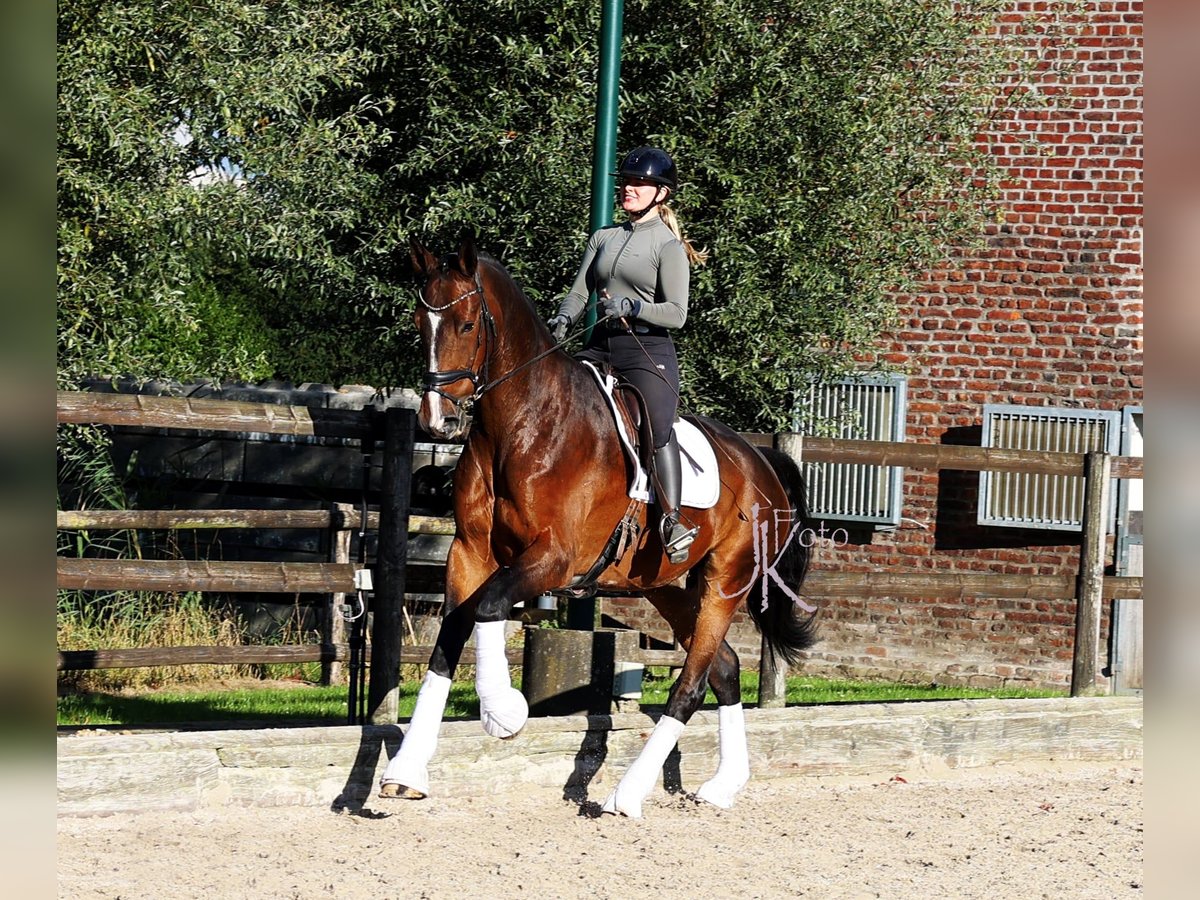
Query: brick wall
(1048, 314)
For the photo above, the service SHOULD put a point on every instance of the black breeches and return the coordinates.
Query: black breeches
(649, 364)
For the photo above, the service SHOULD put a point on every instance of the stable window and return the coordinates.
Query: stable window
(870, 409)
(1028, 500)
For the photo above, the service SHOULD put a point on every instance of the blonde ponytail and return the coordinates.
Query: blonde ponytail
(697, 257)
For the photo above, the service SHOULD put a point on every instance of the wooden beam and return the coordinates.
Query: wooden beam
(148, 411)
(944, 456)
(144, 657)
(952, 585)
(169, 519)
(189, 575)
(268, 577)
(387, 605)
(1090, 587)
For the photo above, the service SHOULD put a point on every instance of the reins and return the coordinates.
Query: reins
(434, 381)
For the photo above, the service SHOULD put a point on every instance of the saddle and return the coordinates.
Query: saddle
(701, 485)
(633, 424)
(631, 406)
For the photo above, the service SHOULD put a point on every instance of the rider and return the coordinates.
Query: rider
(639, 270)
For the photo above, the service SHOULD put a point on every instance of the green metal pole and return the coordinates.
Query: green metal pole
(581, 614)
(604, 152)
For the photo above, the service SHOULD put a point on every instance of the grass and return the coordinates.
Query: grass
(245, 702)
(805, 691)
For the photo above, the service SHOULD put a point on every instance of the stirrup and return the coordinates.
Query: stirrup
(677, 539)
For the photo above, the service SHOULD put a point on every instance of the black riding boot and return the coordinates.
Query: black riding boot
(676, 537)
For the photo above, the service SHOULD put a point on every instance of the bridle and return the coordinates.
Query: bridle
(485, 338)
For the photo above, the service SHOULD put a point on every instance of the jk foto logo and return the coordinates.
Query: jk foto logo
(766, 561)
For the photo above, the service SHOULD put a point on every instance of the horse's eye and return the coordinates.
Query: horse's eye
(468, 326)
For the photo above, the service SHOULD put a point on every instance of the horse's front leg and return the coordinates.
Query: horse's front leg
(687, 694)
(503, 710)
(407, 773)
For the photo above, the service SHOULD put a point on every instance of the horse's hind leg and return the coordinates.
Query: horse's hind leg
(733, 771)
(703, 637)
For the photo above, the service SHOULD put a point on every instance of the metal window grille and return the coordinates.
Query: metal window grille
(1021, 500)
(871, 409)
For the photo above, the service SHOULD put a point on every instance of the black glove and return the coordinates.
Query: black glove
(621, 307)
(558, 326)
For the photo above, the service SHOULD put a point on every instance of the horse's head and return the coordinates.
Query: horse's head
(457, 330)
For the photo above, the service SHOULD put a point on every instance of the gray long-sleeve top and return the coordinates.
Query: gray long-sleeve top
(642, 261)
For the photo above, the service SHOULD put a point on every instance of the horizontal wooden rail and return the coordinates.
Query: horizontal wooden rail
(143, 657)
(267, 577)
(147, 411)
(166, 519)
(946, 456)
(189, 575)
(942, 585)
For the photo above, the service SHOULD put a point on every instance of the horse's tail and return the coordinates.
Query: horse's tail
(786, 628)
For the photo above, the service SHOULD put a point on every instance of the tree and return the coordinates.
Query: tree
(828, 152)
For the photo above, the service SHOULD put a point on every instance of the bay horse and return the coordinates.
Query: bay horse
(539, 489)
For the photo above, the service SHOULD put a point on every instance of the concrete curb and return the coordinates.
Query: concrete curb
(338, 767)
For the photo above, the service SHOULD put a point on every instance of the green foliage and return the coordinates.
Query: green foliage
(828, 153)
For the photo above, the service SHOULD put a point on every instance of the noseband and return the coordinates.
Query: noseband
(433, 382)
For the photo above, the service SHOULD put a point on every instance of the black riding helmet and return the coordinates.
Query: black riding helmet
(649, 164)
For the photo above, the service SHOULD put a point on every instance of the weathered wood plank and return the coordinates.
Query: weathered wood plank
(166, 519)
(144, 410)
(194, 575)
(267, 418)
(944, 456)
(953, 585)
(142, 657)
(176, 575)
(1090, 588)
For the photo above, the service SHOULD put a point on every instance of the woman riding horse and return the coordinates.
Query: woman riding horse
(534, 510)
(640, 272)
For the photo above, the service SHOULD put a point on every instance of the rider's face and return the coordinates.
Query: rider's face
(637, 194)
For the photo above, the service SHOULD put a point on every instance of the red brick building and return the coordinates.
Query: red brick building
(1048, 315)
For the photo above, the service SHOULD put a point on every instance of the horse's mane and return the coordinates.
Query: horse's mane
(506, 276)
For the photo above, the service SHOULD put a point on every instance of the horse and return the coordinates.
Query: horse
(539, 489)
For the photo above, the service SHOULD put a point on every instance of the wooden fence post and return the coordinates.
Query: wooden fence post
(333, 623)
(1090, 584)
(383, 697)
(772, 672)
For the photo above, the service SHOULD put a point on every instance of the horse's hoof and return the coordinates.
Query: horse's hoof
(716, 795)
(393, 791)
(621, 806)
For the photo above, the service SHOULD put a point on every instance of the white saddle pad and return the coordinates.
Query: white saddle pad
(701, 484)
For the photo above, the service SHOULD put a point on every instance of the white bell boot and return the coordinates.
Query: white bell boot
(733, 771)
(631, 790)
(410, 766)
(503, 710)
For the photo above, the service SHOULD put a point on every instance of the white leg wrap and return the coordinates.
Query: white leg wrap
(503, 709)
(734, 769)
(643, 774)
(410, 765)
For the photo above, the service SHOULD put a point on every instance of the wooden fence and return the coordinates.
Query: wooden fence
(393, 523)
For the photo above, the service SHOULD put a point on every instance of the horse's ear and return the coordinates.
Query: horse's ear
(423, 261)
(468, 256)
